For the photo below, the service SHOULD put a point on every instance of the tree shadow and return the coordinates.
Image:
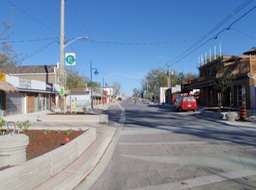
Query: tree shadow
(160, 117)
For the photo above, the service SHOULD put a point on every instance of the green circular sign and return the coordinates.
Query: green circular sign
(62, 91)
(70, 59)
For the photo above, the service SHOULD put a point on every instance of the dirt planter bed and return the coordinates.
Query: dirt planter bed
(40, 169)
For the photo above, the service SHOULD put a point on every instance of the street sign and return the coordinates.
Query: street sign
(70, 59)
(62, 91)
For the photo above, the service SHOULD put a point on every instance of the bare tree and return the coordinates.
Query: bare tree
(223, 81)
(8, 57)
(117, 88)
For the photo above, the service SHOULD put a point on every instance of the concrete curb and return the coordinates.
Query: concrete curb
(97, 118)
(230, 123)
(71, 176)
(38, 170)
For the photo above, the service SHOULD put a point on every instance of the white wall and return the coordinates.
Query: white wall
(31, 84)
(81, 99)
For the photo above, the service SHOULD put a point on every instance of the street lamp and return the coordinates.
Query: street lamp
(62, 47)
(62, 52)
(62, 68)
(75, 39)
(96, 73)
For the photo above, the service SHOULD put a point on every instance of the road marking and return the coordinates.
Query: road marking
(224, 163)
(164, 143)
(199, 181)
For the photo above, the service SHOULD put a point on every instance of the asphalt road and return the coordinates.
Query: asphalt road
(156, 148)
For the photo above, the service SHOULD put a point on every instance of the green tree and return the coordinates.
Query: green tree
(184, 77)
(74, 80)
(154, 79)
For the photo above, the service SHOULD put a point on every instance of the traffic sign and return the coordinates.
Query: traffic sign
(70, 59)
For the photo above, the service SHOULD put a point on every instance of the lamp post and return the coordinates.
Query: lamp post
(102, 97)
(96, 73)
(62, 78)
(62, 52)
(75, 39)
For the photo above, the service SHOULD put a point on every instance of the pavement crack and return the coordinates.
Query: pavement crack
(242, 163)
(148, 181)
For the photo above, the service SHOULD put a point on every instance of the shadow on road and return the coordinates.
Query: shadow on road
(189, 123)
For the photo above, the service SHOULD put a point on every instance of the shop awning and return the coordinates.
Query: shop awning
(198, 86)
(36, 91)
(7, 87)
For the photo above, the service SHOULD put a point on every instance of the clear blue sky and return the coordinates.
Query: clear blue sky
(128, 38)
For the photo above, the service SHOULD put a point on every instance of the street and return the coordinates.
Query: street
(156, 148)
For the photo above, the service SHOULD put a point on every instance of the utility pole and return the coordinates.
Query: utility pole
(169, 76)
(96, 72)
(147, 91)
(62, 70)
(169, 81)
(91, 85)
(102, 99)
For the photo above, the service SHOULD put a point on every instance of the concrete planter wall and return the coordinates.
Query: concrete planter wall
(230, 116)
(101, 118)
(32, 173)
(13, 149)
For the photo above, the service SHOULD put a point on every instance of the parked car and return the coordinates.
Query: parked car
(187, 102)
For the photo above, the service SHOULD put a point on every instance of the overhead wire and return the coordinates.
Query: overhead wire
(88, 33)
(229, 27)
(244, 33)
(39, 50)
(201, 42)
(7, 25)
(205, 39)
(31, 40)
(32, 17)
(141, 43)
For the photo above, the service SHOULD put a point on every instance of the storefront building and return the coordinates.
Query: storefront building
(26, 96)
(240, 91)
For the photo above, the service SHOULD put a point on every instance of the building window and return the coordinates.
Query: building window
(15, 104)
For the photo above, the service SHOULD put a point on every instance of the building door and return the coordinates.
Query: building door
(30, 103)
(238, 96)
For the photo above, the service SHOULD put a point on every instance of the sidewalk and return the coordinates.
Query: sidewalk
(72, 175)
(249, 122)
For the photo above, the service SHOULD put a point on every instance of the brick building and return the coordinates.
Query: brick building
(241, 90)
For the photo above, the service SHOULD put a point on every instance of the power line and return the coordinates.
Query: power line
(31, 40)
(141, 43)
(229, 27)
(37, 51)
(201, 42)
(35, 19)
(87, 31)
(245, 34)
